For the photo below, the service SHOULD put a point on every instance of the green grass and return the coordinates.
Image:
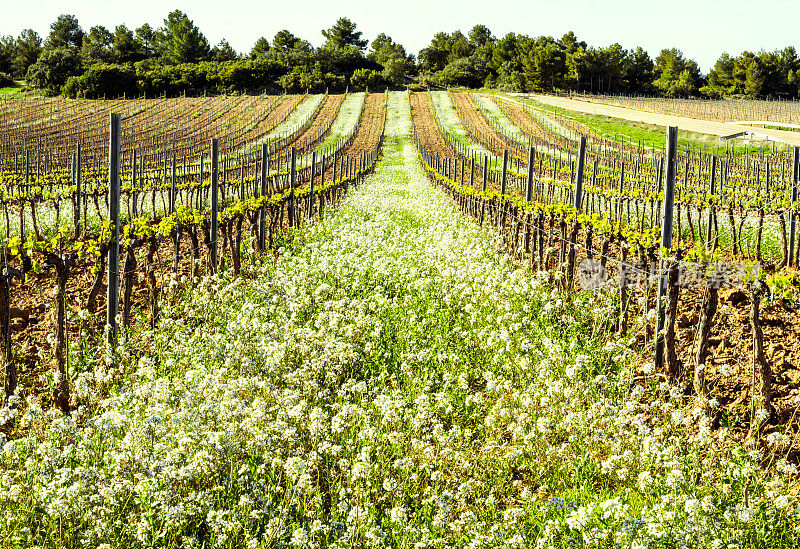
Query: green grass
(10, 93)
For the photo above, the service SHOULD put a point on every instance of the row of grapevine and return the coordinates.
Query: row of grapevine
(118, 223)
(606, 238)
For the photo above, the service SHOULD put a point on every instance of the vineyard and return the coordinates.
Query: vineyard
(781, 112)
(391, 319)
(588, 201)
(192, 178)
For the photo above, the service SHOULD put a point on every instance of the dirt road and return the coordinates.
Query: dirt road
(688, 124)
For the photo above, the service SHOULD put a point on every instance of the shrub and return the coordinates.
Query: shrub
(367, 79)
(249, 74)
(102, 80)
(302, 79)
(53, 69)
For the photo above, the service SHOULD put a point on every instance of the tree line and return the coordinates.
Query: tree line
(177, 58)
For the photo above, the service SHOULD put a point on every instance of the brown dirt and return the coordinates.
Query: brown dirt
(319, 127)
(33, 310)
(370, 128)
(529, 125)
(425, 124)
(478, 126)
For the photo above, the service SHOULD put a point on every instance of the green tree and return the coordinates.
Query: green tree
(8, 50)
(777, 70)
(480, 35)
(507, 64)
(260, 48)
(720, 78)
(313, 79)
(585, 69)
(300, 54)
(343, 33)
(505, 51)
(285, 40)
(224, 52)
(785, 74)
(53, 69)
(545, 65)
(638, 73)
(125, 47)
(570, 44)
(384, 48)
(249, 74)
(445, 48)
(146, 38)
(676, 76)
(483, 43)
(434, 57)
(613, 60)
(395, 70)
(755, 77)
(343, 61)
(65, 32)
(27, 50)
(96, 46)
(459, 47)
(180, 41)
(393, 58)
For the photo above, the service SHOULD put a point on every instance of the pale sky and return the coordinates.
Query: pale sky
(702, 29)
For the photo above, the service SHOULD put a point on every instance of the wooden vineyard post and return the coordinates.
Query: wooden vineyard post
(10, 381)
(322, 186)
(503, 183)
(310, 211)
(504, 173)
(200, 191)
(529, 183)
(577, 201)
(335, 165)
(792, 215)
(579, 179)
(472, 173)
(133, 182)
(242, 191)
(666, 243)
(262, 211)
(214, 202)
(712, 192)
(22, 199)
(761, 208)
(483, 198)
(78, 191)
(528, 197)
(485, 172)
(292, 181)
(363, 166)
(112, 294)
(172, 188)
(620, 189)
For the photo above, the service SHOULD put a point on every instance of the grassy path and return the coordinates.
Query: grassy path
(390, 381)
